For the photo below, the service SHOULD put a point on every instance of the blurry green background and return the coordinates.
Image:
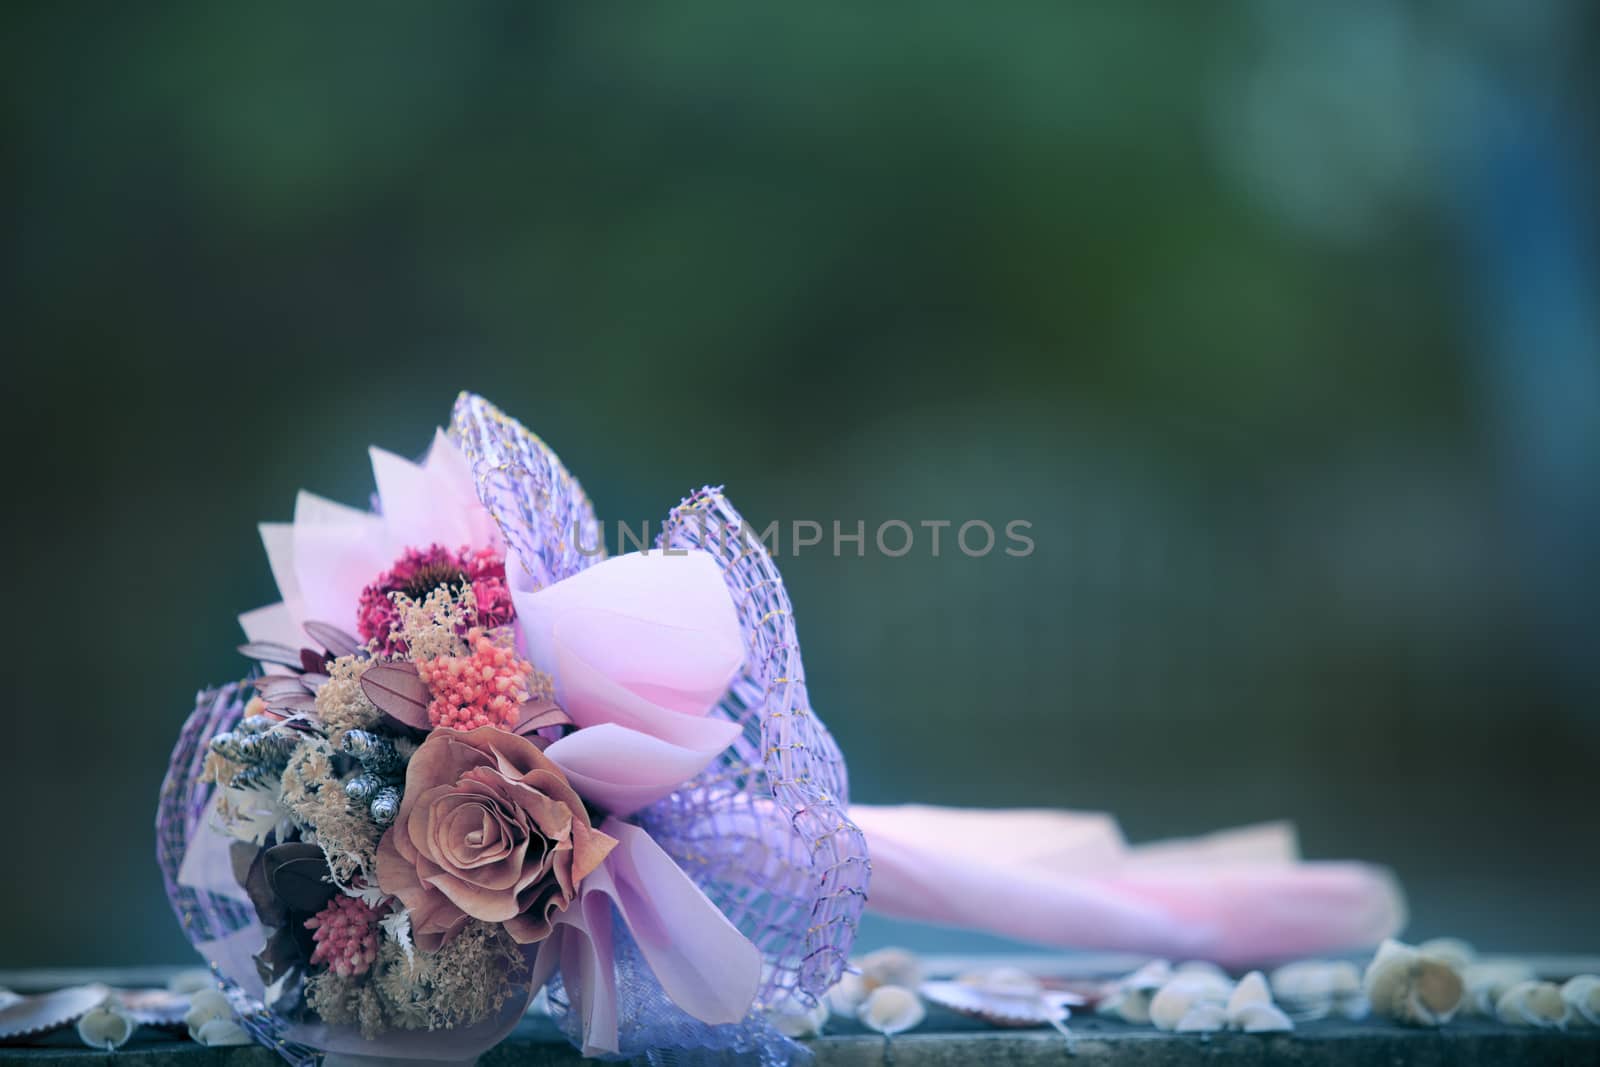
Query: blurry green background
(1275, 319)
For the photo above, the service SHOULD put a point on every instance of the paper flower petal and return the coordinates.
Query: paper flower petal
(623, 770)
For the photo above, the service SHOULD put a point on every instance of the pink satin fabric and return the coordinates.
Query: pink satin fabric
(1069, 880)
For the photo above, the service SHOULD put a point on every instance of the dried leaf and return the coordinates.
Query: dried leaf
(302, 701)
(538, 713)
(271, 652)
(398, 691)
(297, 873)
(312, 661)
(335, 640)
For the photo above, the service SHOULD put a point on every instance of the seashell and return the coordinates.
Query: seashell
(26, 1016)
(219, 1032)
(1202, 967)
(1410, 988)
(1316, 989)
(1536, 1004)
(891, 1009)
(1485, 982)
(1582, 994)
(1205, 1018)
(1003, 1003)
(191, 980)
(153, 1007)
(1259, 1017)
(106, 1027)
(847, 993)
(208, 1005)
(1129, 998)
(891, 966)
(1252, 989)
(1175, 999)
(1129, 1005)
(791, 1016)
(1151, 977)
(1454, 951)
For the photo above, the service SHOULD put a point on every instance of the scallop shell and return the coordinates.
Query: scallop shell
(1536, 1004)
(206, 1006)
(40, 1014)
(1410, 988)
(1129, 1005)
(1582, 994)
(891, 1009)
(1003, 1005)
(106, 1027)
(847, 993)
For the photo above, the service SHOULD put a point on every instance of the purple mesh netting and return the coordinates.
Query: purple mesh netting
(179, 814)
(541, 510)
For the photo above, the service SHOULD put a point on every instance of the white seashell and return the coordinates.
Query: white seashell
(1202, 967)
(792, 1017)
(1252, 989)
(218, 1032)
(1485, 982)
(1410, 988)
(1151, 977)
(25, 1016)
(1175, 999)
(1041, 1007)
(1129, 1005)
(1537, 1004)
(106, 1027)
(891, 1009)
(206, 1006)
(191, 980)
(1259, 1017)
(891, 966)
(1582, 994)
(1002, 982)
(1454, 951)
(1206, 1018)
(1316, 989)
(847, 994)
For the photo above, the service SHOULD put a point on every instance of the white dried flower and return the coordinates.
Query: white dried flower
(1536, 1004)
(1411, 988)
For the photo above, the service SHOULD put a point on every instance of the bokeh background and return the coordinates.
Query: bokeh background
(1277, 320)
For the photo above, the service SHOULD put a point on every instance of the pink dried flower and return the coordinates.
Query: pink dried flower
(486, 688)
(418, 572)
(346, 935)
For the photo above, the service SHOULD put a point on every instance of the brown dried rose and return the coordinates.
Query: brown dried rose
(489, 829)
